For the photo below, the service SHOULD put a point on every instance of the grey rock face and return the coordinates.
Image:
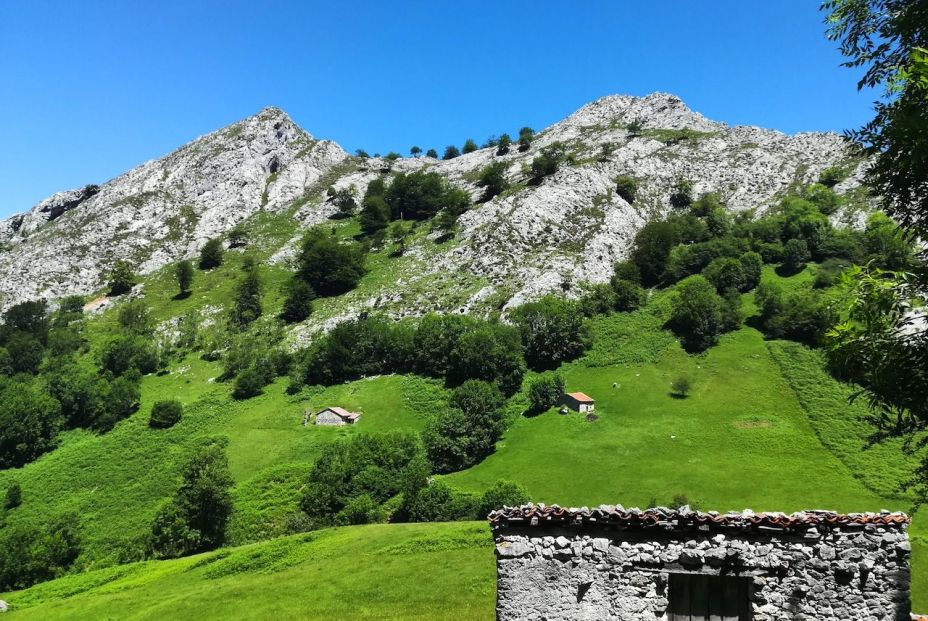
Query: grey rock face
(162, 211)
(563, 233)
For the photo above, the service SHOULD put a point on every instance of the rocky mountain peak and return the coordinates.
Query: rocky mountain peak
(164, 209)
(559, 233)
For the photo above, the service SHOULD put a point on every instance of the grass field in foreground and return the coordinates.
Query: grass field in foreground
(403, 571)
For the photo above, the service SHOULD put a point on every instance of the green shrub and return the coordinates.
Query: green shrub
(238, 236)
(526, 134)
(29, 422)
(467, 432)
(451, 152)
(135, 318)
(360, 510)
(629, 296)
(501, 494)
(121, 278)
(725, 273)
(165, 413)
(469, 146)
(548, 161)
(493, 180)
(32, 554)
(681, 386)
(504, 144)
(696, 314)
(821, 195)
(211, 254)
(828, 273)
(545, 392)
(375, 214)
(422, 194)
(298, 301)
(14, 496)
(184, 274)
(377, 466)
(832, 176)
(195, 519)
(328, 266)
(795, 255)
(626, 186)
(552, 331)
(491, 352)
(599, 300)
(751, 266)
(247, 301)
(248, 384)
(681, 196)
(432, 153)
(437, 502)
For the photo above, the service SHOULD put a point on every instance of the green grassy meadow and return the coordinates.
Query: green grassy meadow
(399, 571)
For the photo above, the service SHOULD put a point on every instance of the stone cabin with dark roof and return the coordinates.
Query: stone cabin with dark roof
(557, 564)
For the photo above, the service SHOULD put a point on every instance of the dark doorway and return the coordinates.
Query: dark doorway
(695, 597)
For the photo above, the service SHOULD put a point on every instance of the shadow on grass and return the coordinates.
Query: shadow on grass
(785, 272)
(183, 295)
(678, 396)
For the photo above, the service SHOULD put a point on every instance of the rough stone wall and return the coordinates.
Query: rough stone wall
(858, 572)
(329, 418)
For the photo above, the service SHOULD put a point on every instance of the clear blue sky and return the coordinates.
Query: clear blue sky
(90, 89)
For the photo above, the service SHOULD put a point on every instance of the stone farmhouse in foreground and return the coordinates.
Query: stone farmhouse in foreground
(558, 564)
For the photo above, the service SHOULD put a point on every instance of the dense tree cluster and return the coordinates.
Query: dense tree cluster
(195, 519)
(467, 431)
(354, 476)
(453, 347)
(31, 554)
(687, 241)
(552, 331)
(329, 266)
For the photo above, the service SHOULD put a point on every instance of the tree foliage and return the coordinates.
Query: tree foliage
(195, 519)
(211, 254)
(467, 432)
(121, 278)
(329, 266)
(552, 332)
(29, 421)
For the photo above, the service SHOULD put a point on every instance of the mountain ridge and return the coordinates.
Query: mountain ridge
(571, 228)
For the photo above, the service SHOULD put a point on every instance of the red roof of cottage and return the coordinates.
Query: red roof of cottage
(579, 396)
(662, 518)
(342, 413)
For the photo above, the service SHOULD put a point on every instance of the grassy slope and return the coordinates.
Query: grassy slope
(408, 571)
(739, 440)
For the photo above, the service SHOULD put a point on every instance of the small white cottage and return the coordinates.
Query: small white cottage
(578, 402)
(336, 416)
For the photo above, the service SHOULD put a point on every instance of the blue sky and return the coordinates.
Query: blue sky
(90, 89)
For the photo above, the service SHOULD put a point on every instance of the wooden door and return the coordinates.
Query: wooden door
(695, 597)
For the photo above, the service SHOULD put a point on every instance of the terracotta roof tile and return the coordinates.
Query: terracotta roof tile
(579, 396)
(616, 516)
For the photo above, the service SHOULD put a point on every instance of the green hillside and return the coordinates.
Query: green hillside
(763, 426)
